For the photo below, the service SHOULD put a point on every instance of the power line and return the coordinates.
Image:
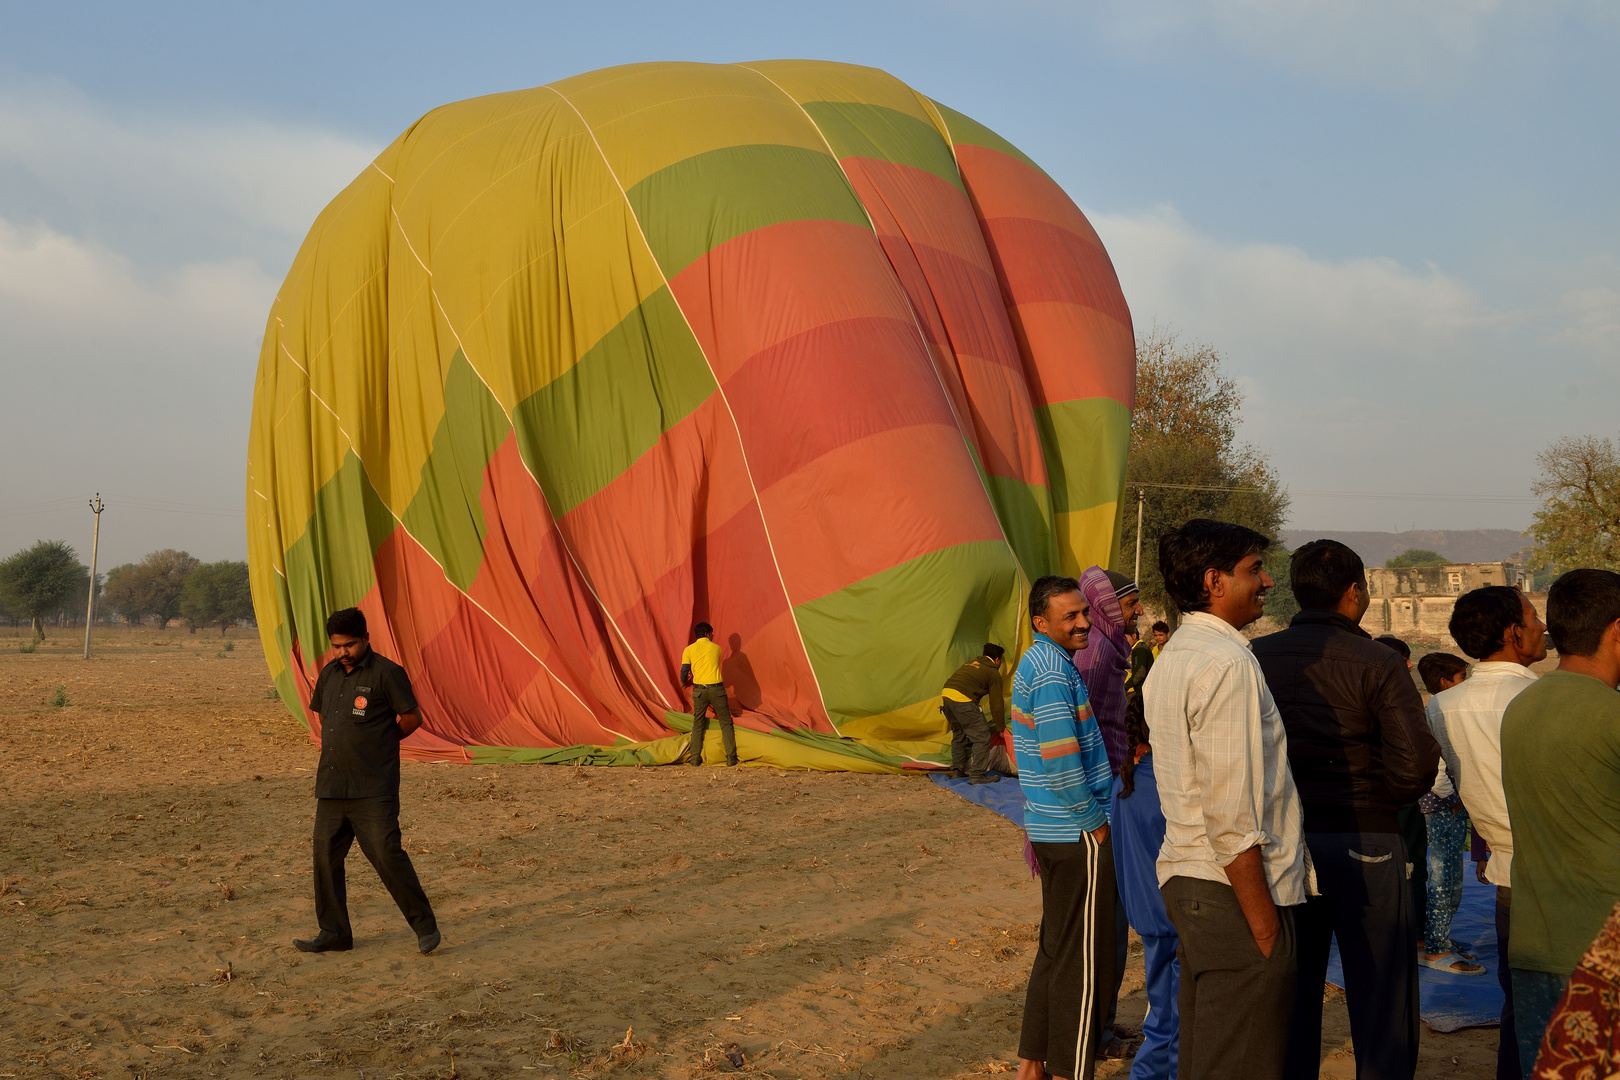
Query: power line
(1407, 496)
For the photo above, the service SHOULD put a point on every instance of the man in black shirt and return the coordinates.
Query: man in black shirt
(1359, 746)
(366, 707)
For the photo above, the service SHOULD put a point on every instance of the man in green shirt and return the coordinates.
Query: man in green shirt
(975, 680)
(1561, 775)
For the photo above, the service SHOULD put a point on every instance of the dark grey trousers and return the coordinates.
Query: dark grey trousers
(1235, 1002)
(1508, 1066)
(1367, 905)
(375, 823)
(1073, 972)
(702, 698)
(970, 737)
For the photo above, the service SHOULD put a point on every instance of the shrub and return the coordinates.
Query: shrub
(60, 698)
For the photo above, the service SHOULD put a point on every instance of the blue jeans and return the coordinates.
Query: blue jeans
(1448, 836)
(1535, 996)
(1161, 1029)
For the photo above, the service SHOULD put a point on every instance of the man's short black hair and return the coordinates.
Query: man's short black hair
(1439, 665)
(1041, 593)
(1319, 572)
(1581, 605)
(1200, 545)
(1482, 617)
(350, 622)
(993, 651)
(702, 629)
(1160, 627)
(1393, 642)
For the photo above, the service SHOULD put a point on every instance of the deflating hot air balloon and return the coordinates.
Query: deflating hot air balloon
(786, 347)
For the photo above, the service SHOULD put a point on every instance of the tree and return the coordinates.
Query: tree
(152, 586)
(1417, 557)
(42, 580)
(217, 593)
(1186, 457)
(1578, 524)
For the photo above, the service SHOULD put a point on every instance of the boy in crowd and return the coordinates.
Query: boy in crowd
(1446, 823)
(1064, 771)
(1161, 634)
(1358, 746)
(1561, 775)
(1233, 867)
(1499, 629)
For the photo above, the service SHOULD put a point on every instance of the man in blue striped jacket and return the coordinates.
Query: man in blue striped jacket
(1063, 768)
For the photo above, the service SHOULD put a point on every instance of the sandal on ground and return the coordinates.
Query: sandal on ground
(1451, 964)
(1113, 1048)
(1463, 953)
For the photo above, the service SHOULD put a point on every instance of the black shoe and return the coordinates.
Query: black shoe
(323, 943)
(733, 761)
(987, 778)
(428, 942)
(956, 774)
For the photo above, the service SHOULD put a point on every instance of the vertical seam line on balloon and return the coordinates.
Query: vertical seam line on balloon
(726, 401)
(606, 614)
(911, 309)
(400, 522)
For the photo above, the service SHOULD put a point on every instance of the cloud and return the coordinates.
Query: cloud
(1365, 374)
(139, 256)
(166, 190)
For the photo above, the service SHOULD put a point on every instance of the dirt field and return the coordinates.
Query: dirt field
(154, 865)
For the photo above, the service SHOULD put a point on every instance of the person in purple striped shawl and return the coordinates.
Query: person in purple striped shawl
(1104, 666)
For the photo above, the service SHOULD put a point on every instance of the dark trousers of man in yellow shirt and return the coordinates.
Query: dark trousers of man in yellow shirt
(702, 697)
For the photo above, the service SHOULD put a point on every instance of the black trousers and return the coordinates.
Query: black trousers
(1507, 1048)
(1073, 972)
(1366, 904)
(1234, 1000)
(375, 823)
(970, 737)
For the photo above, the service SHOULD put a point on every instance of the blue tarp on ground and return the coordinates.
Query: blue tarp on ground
(1005, 798)
(1449, 1002)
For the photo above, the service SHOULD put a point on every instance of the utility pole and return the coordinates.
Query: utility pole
(1141, 499)
(96, 507)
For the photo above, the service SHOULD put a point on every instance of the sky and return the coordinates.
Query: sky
(1399, 222)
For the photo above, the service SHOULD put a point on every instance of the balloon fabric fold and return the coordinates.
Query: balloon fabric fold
(785, 347)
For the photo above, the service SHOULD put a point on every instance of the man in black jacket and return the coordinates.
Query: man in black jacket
(1358, 746)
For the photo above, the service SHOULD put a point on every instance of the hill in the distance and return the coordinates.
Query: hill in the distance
(1458, 545)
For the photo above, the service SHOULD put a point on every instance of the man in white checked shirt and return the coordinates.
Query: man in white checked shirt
(1233, 866)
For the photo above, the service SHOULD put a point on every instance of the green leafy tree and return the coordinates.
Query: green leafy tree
(153, 586)
(1417, 557)
(1578, 524)
(216, 594)
(43, 580)
(1186, 458)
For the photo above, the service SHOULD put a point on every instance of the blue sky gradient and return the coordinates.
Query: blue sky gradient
(1400, 226)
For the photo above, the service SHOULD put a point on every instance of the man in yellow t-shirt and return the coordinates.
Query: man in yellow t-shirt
(700, 669)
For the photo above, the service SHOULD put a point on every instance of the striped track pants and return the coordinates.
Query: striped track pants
(1073, 974)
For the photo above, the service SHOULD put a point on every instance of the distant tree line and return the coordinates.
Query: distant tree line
(46, 584)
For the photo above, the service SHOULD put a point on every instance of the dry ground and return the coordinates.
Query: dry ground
(153, 873)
